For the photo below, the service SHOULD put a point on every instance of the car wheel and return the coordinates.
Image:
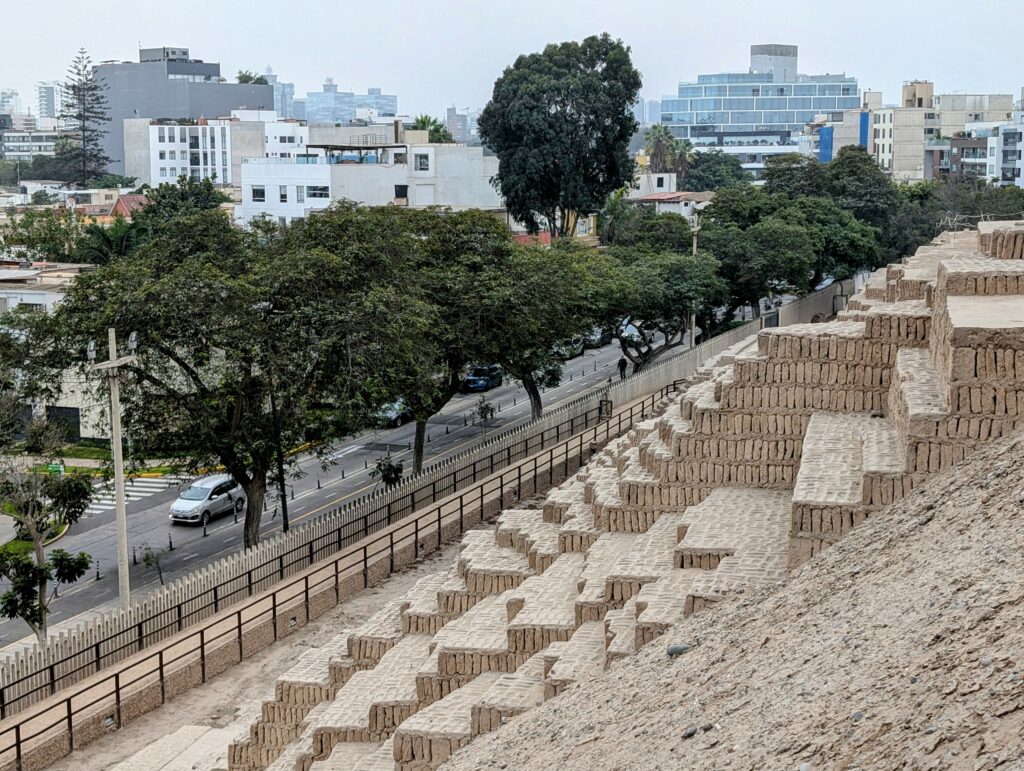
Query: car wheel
(205, 519)
(239, 506)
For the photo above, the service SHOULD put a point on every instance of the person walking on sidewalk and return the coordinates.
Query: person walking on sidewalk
(622, 368)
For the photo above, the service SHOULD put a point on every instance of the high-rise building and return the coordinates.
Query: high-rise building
(48, 98)
(383, 105)
(758, 113)
(284, 95)
(330, 105)
(10, 102)
(166, 83)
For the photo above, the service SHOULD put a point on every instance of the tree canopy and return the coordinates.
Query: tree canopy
(248, 76)
(713, 170)
(560, 122)
(85, 106)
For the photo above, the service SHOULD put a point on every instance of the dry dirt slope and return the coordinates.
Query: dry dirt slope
(901, 647)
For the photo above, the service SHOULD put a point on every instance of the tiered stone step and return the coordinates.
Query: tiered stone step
(242, 754)
(376, 636)
(620, 631)
(906, 322)
(526, 531)
(488, 568)
(422, 614)
(373, 702)
(738, 538)
(576, 660)
(656, 607)
(649, 559)
(428, 738)
(346, 756)
(592, 601)
(850, 370)
(559, 499)
(577, 533)
(311, 681)
(477, 641)
(542, 610)
(298, 755)
(852, 465)
(510, 695)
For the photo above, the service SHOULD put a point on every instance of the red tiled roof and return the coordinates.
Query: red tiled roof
(129, 203)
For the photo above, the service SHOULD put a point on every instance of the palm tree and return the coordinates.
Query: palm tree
(659, 145)
(102, 245)
(682, 155)
(439, 133)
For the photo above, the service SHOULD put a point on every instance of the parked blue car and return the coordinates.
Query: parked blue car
(482, 378)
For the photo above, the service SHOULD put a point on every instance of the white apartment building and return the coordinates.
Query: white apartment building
(411, 172)
(161, 151)
(25, 145)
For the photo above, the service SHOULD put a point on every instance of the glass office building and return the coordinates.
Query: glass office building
(763, 105)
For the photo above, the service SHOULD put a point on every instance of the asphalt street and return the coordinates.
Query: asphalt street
(312, 493)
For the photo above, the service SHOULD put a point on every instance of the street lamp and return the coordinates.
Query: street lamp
(112, 366)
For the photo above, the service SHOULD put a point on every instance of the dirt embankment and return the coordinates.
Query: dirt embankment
(900, 647)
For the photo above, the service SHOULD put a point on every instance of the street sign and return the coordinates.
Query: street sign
(55, 468)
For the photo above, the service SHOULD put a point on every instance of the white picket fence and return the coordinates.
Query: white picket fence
(34, 672)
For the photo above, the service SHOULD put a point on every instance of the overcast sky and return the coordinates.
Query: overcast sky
(444, 52)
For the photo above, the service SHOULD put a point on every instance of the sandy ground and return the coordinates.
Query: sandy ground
(900, 647)
(241, 688)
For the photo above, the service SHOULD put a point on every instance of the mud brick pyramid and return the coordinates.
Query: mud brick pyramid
(773, 451)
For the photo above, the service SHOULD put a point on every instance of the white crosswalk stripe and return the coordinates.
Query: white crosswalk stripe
(134, 490)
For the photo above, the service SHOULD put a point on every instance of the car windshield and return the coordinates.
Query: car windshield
(195, 494)
(479, 372)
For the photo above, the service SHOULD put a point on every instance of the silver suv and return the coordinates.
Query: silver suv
(208, 498)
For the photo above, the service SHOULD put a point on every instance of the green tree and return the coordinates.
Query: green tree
(168, 202)
(795, 175)
(842, 244)
(714, 170)
(439, 133)
(560, 122)
(247, 76)
(650, 299)
(84, 105)
(237, 356)
(649, 230)
(543, 293)
(42, 198)
(857, 184)
(41, 505)
(44, 234)
(659, 146)
(112, 181)
(101, 244)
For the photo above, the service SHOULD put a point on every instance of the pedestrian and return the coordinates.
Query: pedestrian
(622, 368)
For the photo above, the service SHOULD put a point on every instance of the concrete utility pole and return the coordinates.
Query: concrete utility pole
(111, 366)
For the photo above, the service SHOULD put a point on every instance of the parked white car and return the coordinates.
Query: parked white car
(207, 498)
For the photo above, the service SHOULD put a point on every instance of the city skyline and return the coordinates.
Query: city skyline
(419, 66)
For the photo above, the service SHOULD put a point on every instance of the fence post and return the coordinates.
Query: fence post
(53, 679)
(163, 686)
(366, 570)
(239, 635)
(71, 726)
(416, 537)
(216, 599)
(17, 746)
(391, 539)
(311, 551)
(117, 696)
(462, 513)
(305, 595)
(273, 611)
(202, 653)
(439, 528)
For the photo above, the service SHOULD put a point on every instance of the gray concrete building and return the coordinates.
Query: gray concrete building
(166, 83)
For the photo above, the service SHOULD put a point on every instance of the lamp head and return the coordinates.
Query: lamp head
(90, 351)
(133, 341)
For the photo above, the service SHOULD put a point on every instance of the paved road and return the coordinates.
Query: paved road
(315, 491)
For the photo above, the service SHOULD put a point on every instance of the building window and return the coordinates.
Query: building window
(283, 193)
(401, 191)
(300, 194)
(660, 182)
(163, 155)
(259, 194)
(160, 134)
(163, 171)
(223, 157)
(318, 191)
(421, 162)
(181, 134)
(172, 155)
